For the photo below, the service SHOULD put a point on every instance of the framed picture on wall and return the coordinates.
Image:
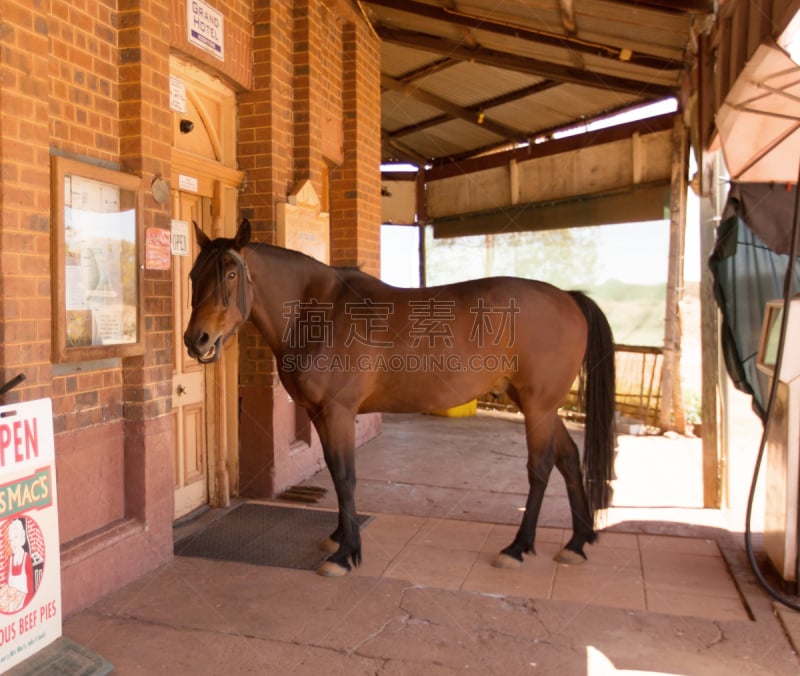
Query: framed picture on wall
(97, 281)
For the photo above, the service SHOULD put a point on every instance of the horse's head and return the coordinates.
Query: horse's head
(222, 293)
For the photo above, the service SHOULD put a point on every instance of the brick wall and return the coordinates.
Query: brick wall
(355, 185)
(315, 65)
(107, 108)
(90, 81)
(145, 142)
(24, 201)
(84, 83)
(317, 90)
(266, 133)
(84, 123)
(266, 139)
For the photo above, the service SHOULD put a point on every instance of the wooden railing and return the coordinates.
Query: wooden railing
(637, 391)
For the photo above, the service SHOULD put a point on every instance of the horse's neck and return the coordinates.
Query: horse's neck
(281, 279)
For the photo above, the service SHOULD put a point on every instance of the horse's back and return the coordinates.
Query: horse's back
(533, 314)
(440, 346)
(495, 289)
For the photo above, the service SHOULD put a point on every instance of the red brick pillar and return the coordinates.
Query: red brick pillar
(145, 141)
(306, 82)
(266, 142)
(355, 185)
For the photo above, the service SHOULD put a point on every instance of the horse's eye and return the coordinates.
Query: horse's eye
(232, 274)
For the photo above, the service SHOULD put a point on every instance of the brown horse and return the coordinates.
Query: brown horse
(346, 343)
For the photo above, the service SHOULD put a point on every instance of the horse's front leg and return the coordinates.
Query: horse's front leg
(337, 434)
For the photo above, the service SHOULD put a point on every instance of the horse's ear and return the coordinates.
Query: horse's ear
(242, 234)
(202, 238)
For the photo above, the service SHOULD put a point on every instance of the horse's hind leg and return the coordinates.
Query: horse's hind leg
(568, 463)
(539, 435)
(337, 434)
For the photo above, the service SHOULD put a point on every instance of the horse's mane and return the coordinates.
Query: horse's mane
(305, 258)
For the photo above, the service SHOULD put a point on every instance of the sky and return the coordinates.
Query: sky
(636, 253)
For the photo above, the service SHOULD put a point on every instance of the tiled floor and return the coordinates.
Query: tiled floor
(654, 597)
(441, 517)
(666, 574)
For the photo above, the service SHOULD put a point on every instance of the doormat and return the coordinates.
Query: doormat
(265, 535)
(63, 657)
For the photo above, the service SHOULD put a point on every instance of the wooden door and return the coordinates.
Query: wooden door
(189, 377)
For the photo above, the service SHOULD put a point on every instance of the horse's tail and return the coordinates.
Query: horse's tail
(599, 371)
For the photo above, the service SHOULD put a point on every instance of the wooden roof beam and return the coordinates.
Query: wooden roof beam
(400, 152)
(675, 6)
(475, 109)
(452, 109)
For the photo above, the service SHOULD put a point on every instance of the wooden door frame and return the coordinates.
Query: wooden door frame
(188, 376)
(221, 185)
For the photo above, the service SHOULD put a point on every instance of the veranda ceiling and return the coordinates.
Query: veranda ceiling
(460, 78)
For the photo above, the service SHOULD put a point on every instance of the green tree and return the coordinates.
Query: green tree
(566, 258)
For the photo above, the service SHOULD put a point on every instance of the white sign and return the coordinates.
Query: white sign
(180, 238)
(177, 94)
(188, 183)
(30, 566)
(205, 28)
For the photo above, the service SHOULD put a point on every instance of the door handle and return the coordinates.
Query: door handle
(181, 389)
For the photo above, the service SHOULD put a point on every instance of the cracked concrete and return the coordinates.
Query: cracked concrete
(296, 623)
(203, 617)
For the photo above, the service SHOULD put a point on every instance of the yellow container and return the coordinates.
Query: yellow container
(463, 411)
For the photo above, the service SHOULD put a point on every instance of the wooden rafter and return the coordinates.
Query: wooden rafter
(452, 109)
(476, 108)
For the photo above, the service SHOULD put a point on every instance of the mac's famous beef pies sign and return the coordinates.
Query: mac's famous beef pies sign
(30, 570)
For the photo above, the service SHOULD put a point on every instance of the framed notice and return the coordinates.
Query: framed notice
(30, 567)
(96, 262)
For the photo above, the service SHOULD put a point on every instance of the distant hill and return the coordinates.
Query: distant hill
(615, 290)
(635, 311)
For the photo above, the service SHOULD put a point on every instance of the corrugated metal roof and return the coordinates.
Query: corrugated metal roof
(467, 84)
(463, 77)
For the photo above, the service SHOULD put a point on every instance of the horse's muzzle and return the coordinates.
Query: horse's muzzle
(202, 348)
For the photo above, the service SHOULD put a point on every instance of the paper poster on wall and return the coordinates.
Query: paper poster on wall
(157, 249)
(179, 237)
(187, 183)
(177, 94)
(30, 567)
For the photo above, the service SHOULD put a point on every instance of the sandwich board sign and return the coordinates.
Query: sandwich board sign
(30, 567)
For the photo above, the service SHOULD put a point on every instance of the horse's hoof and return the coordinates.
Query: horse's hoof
(329, 545)
(569, 557)
(506, 561)
(331, 569)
